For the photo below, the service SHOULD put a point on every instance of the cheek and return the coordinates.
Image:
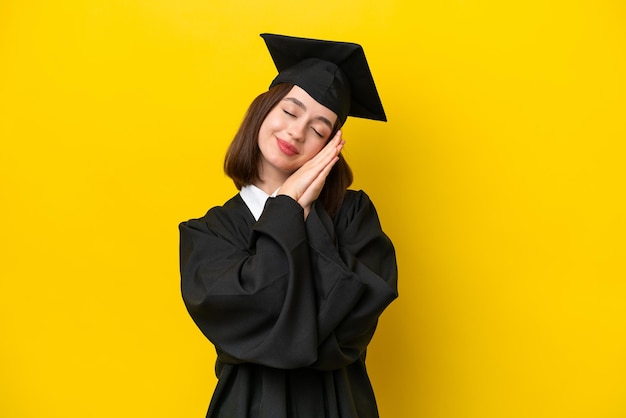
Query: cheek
(267, 129)
(314, 147)
(273, 121)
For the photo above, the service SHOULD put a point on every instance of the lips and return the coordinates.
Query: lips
(286, 148)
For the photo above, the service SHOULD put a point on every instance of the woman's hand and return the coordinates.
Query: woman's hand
(305, 185)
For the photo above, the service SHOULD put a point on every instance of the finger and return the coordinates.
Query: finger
(300, 181)
(318, 182)
(330, 150)
(317, 163)
(331, 146)
(312, 192)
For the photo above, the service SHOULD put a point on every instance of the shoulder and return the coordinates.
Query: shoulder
(232, 215)
(355, 201)
(356, 207)
(356, 197)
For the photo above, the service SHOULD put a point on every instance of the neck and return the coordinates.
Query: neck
(270, 182)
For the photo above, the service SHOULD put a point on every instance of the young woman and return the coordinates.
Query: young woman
(288, 278)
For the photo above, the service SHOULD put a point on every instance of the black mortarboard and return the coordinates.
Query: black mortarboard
(335, 74)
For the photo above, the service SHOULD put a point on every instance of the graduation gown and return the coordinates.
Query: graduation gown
(289, 304)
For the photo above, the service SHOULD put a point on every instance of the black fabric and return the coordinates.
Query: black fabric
(289, 305)
(323, 81)
(335, 74)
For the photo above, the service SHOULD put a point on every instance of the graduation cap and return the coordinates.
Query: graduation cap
(335, 74)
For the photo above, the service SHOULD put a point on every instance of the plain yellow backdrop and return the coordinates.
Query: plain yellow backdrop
(500, 178)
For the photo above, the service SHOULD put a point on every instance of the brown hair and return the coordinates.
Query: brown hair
(242, 158)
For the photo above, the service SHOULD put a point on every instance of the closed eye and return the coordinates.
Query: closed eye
(317, 133)
(290, 114)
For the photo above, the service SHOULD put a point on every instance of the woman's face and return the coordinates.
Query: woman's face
(294, 131)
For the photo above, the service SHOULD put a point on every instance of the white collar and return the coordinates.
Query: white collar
(255, 199)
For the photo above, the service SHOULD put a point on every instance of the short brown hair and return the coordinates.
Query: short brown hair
(242, 159)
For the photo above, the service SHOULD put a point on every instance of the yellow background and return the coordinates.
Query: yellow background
(500, 178)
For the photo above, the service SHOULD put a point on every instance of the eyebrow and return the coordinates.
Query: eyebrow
(303, 107)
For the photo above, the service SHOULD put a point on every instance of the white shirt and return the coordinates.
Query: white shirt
(255, 199)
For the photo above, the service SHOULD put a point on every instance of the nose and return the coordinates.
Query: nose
(296, 129)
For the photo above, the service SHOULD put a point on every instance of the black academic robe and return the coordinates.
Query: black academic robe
(289, 304)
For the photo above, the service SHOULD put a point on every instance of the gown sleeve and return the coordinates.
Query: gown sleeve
(297, 294)
(254, 302)
(352, 250)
